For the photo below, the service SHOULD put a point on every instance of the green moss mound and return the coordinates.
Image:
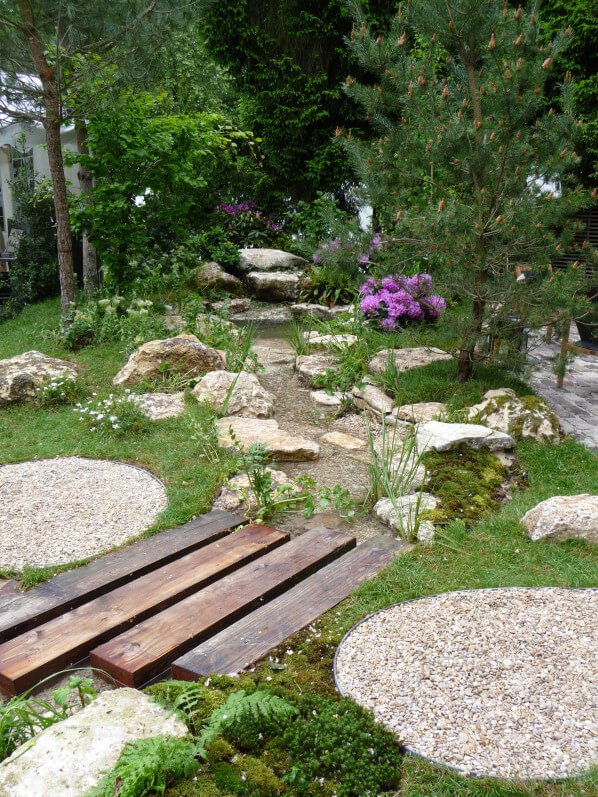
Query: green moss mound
(467, 484)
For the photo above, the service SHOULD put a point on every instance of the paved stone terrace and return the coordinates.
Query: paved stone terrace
(576, 403)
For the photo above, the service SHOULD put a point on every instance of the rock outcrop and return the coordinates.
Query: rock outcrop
(184, 354)
(212, 275)
(273, 286)
(526, 416)
(269, 260)
(446, 436)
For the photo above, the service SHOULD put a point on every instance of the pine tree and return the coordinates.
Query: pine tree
(464, 168)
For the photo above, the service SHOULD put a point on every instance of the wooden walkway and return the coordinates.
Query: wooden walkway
(202, 598)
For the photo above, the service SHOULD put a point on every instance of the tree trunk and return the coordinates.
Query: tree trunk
(52, 127)
(90, 259)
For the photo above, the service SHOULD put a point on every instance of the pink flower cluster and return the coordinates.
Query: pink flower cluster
(398, 299)
(249, 210)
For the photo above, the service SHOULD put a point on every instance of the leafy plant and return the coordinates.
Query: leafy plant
(114, 415)
(60, 390)
(148, 765)
(23, 717)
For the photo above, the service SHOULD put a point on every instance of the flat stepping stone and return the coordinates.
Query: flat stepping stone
(250, 639)
(325, 399)
(282, 445)
(147, 649)
(440, 436)
(406, 359)
(56, 511)
(65, 640)
(273, 286)
(68, 590)
(337, 341)
(370, 397)
(494, 682)
(158, 406)
(241, 394)
(344, 441)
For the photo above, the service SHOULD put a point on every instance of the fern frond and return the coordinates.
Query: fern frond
(258, 705)
(148, 765)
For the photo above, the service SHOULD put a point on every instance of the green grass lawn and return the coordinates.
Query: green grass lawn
(166, 450)
(492, 552)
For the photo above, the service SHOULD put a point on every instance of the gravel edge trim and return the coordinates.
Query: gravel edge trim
(438, 761)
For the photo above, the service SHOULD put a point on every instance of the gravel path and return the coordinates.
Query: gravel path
(55, 511)
(492, 682)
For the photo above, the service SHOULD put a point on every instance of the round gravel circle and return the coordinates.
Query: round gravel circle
(55, 511)
(491, 682)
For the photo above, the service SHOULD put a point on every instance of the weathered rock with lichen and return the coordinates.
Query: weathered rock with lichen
(69, 758)
(403, 514)
(184, 354)
(421, 411)
(212, 275)
(564, 517)
(282, 445)
(336, 341)
(158, 406)
(20, 376)
(269, 260)
(242, 391)
(273, 286)
(309, 366)
(373, 399)
(525, 416)
(405, 359)
(440, 436)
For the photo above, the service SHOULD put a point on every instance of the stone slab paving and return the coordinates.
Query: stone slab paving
(576, 403)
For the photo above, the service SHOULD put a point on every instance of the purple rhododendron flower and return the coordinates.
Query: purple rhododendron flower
(398, 299)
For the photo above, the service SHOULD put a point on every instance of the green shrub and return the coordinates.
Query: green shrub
(60, 390)
(340, 741)
(116, 415)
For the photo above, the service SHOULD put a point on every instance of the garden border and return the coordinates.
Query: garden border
(437, 761)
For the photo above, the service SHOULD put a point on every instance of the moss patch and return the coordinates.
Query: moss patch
(467, 484)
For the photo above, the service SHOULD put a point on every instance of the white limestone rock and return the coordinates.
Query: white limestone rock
(526, 416)
(270, 260)
(403, 513)
(405, 359)
(320, 311)
(564, 517)
(69, 758)
(421, 411)
(273, 286)
(370, 397)
(158, 406)
(447, 436)
(344, 441)
(282, 445)
(244, 392)
(20, 376)
(338, 341)
(308, 366)
(184, 354)
(325, 399)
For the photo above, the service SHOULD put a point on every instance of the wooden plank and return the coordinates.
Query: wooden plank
(253, 637)
(146, 650)
(64, 640)
(68, 590)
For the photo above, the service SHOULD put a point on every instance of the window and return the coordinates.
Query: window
(22, 164)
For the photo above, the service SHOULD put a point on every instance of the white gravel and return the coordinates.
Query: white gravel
(55, 511)
(491, 682)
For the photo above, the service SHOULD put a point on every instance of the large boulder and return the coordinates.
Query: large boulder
(212, 275)
(405, 359)
(244, 393)
(447, 436)
(273, 286)
(526, 416)
(69, 758)
(269, 260)
(185, 354)
(20, 376)
(564, 517)
(282, 445)
(308, 366)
